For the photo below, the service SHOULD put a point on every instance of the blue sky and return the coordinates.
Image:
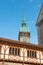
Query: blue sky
(11, 15)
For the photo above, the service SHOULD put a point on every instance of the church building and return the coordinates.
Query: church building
(22, 52)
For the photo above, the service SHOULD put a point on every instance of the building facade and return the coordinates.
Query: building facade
(22, 52)
(40, 26)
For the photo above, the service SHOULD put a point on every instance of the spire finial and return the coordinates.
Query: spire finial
(23, 21)
(24, 15)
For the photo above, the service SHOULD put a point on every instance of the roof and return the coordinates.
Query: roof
(9, 42)
(24, 27)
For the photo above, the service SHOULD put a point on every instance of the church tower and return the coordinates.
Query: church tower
(40, 26)
(24, 33)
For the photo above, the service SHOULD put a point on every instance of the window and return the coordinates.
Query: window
(11, 51)
(17, 52)
(14, 51)
(31, 54)
(27, 53)
(35, 55)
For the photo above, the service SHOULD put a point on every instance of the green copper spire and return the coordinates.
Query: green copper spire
(24, 23)
(24, 27)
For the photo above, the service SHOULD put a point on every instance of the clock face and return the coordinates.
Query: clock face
(24, 39)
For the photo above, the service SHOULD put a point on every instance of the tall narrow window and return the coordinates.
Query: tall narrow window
(18, 52)
(28, 53)
(15, 51)
(31, 54)
(11, 51)
(35, 55)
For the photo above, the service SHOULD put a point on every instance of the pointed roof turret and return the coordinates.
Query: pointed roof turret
(24, 22)
(24, 27)
(40, 17)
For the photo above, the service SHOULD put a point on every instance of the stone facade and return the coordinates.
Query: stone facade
(40, 26)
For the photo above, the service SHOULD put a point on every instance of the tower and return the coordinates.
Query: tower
(40, 26)
(24, 33)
